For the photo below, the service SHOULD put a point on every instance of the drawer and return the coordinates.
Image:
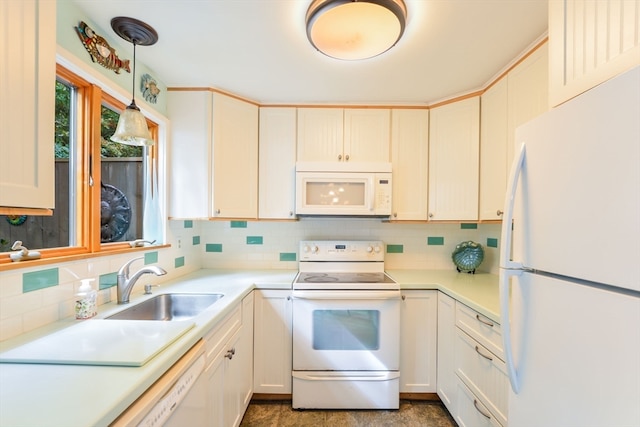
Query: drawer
(219, 336)
(470, 412)
(484, 330)
(483, 373)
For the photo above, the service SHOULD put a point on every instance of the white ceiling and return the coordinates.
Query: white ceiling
(258, 49)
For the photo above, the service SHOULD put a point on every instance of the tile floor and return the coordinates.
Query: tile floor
(412, 413)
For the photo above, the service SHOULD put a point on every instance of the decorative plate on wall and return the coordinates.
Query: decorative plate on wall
(115, 214)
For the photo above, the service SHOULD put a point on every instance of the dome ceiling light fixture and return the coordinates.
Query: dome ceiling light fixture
(132, 126)
(355, 29)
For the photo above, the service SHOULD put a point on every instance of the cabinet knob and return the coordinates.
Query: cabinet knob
(404, 297)
(218, 211)
(499, 212)
(430, 215)
(346, 157)
(395, 214)
(290, 213)
(339, 156)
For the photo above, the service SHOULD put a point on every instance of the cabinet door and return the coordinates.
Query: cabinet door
(409, 158)
(27, 85)
(232, 389)
(366, 135)
(320, 134)
(235, 158)
(528, 87)
(493, 150)
(215, 390)
(272, 341)
(590, 42)
(277, 163)
(190, 154)
(244, 353)
(447, 383)
(454, 136)
(418, 329)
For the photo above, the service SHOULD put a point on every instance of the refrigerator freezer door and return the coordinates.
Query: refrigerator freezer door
(576, 352)
(577, 206)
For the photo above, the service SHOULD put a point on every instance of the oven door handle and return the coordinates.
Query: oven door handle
(346, 295)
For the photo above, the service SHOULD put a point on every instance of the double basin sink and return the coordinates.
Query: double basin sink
(168, 307)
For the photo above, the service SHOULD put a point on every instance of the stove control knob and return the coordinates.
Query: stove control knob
(377, 249)
(369, 249)
(313, 249)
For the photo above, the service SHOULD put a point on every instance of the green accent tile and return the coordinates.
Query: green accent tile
(37, 280)
(492, 242)
(435, 241)
(108, 280)
(468, 226)
(196, 240)
(238, 224)
(287, 256)
(179, 262)
(213, 247)
(150, 258)
(188, 223)
(254, 240)
(395, 249)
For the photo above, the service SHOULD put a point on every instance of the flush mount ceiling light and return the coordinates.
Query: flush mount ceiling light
(132, 126)
(355, 29)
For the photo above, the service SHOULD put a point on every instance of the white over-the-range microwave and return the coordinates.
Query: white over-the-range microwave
(343, 189)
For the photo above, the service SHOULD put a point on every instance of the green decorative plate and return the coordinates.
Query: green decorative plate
(467, 256)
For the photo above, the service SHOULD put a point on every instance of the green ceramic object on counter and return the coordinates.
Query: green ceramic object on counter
(467, 256)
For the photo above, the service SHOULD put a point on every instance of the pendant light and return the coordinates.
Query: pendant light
(132, 126)
(355, 29)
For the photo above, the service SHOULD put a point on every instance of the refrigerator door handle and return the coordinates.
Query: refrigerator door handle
(507, 219)
(505, 320)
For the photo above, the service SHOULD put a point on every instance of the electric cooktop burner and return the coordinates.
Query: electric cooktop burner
(344, 278)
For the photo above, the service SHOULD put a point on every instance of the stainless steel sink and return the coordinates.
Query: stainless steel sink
(168, 307)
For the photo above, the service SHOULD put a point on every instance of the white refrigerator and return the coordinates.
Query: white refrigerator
(570, 263)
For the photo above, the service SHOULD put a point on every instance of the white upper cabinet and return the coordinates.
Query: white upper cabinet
(343, 135)
(454, 133)
(409, 159)
(214, 156)
(277, 163)
(590, 42)
(27, 85)
(493, 150)
(366, 135)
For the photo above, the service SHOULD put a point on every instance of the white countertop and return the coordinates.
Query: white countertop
(77, 395)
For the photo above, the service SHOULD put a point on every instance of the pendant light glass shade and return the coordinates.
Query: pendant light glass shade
(132, 126)
(354, 30)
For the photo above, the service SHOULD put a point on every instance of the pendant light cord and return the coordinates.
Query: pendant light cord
(133, 88)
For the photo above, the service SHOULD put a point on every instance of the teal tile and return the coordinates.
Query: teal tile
(435, 241)
(41, 279)
(492, 243)
(238, 224)
(213, 247)
(108, 280)
(179, 262)
(188, 223)
(196, 240)
(254, 240)
(150, 258)
(468, 226)
(395, 249)
(287, 256)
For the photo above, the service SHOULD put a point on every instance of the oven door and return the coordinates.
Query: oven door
(341, 330)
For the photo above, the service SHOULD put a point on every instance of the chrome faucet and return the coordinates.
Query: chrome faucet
(126, 283)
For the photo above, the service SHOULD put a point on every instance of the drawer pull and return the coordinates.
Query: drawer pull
(486, 322)
(475, 403)
(483, 355)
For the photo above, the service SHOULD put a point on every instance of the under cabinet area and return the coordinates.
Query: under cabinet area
(418, 331)
(273, 345)
(214, 156)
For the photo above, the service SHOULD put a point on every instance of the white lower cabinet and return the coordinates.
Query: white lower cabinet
(447, 383)
(482, 381)
(418, 330)
(229, 366)
(272, 341)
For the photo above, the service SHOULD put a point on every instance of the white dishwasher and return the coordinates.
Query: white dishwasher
(177, 399)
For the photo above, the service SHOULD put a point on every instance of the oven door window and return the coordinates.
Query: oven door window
(346, 330)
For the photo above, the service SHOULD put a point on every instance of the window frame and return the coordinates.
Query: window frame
(90, 98)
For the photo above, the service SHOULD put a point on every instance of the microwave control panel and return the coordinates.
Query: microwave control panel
(383, 194)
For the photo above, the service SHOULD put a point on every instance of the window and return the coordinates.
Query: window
(100, 185)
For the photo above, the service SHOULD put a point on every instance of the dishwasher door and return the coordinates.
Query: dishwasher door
(178, 398)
